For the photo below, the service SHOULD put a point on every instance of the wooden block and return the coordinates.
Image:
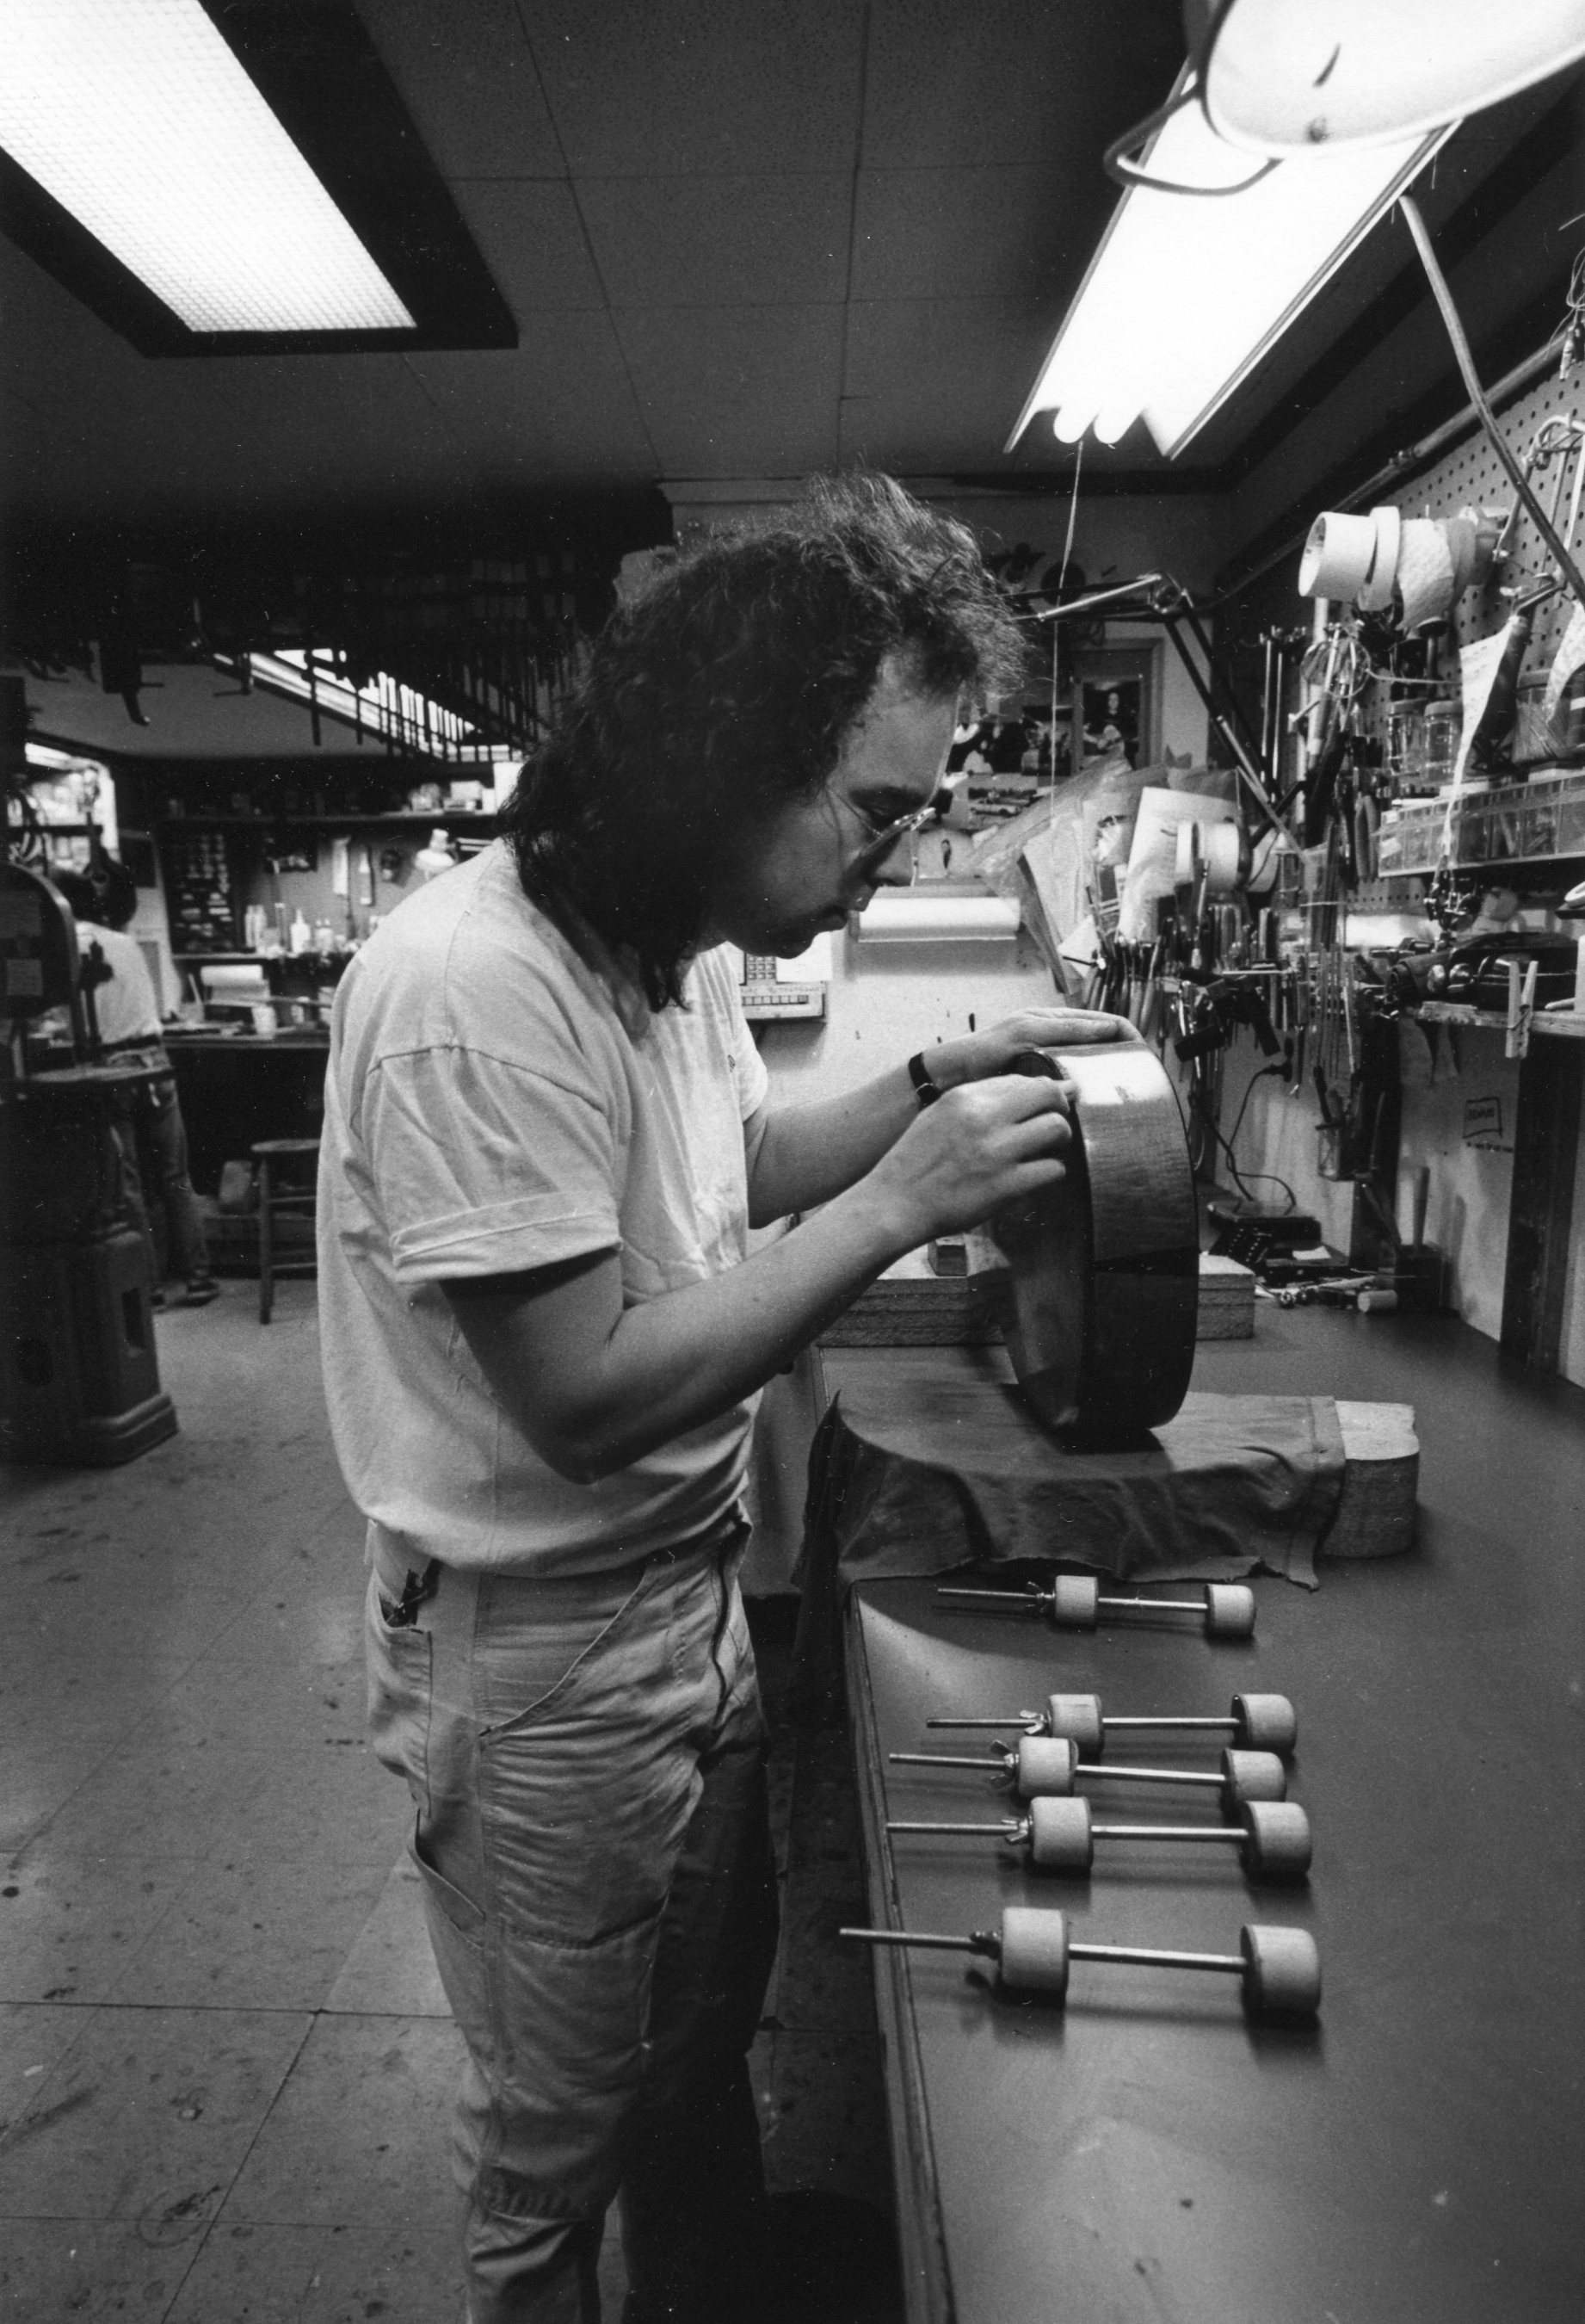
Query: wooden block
(914, 1311)
(1381, 1476)
(1227, 1300)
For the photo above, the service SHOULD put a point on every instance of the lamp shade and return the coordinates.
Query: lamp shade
(1283, 77)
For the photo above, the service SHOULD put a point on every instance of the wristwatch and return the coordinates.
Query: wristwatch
(924, 1089)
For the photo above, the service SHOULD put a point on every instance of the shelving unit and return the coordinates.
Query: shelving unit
(1503, 828)
(451, 819)
(1562, 1025)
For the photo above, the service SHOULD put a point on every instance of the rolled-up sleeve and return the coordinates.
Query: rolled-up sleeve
(486, 1167)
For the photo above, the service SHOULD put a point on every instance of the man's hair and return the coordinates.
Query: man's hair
(725, 687)
(107, 896)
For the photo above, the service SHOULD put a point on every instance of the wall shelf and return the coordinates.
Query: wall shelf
(1563, 1024)
(427, 818)
(1506, 827)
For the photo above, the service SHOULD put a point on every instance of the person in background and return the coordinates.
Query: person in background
(150, 1135)
(547, 1135)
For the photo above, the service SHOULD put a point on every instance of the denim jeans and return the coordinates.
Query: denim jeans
(587, 1759)
(152, 1137)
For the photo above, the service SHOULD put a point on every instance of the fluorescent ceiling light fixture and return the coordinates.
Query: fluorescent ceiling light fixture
(1187, 294)
(384, 708)
(136, 116)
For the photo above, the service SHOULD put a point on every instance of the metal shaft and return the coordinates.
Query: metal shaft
(994, 1830)
(1156, 1605)
(1229, 1834)
(1148, 1959)
(1225, 1725)
(987, 1767)
(1000, 1598)
(908, 1937)
(1103, 1767)
(1030, 1719)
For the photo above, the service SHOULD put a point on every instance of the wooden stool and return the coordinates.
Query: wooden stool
(289, 1201)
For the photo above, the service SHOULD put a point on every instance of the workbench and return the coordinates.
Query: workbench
(1417, 2156)
(236, 1087)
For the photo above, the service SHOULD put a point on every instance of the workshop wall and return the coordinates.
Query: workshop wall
(887, 1000)
(1460, 1094)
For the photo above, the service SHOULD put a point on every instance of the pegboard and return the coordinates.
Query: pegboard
(1473, 476)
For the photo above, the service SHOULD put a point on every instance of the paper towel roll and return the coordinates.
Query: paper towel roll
(913, 916)
(1337, 556)
(1376, 589)
(245, 982)
(1425, 572)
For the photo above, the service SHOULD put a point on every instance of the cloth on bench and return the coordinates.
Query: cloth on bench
(948, 1471)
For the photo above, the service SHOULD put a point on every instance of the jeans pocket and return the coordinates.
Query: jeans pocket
(464, 1916)
(554, 1649)
(399, 1669)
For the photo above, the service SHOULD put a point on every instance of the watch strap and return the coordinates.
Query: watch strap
(924, 1089)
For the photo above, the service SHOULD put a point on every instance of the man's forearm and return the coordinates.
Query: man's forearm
(594, 1398)
(808, 1153)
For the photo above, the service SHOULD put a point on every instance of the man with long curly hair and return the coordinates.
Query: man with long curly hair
(545, 1138)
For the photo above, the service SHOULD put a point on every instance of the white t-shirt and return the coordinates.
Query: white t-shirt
(124, 1007)
(496, 1102)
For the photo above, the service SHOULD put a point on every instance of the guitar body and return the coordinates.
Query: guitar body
(1100, 1313)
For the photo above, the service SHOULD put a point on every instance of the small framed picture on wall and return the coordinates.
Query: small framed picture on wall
(1117, 708)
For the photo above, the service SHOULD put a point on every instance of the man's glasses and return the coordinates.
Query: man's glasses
(884, 837)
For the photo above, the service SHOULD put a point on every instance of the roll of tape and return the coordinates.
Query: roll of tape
(1337, 556)
(1463, 547)
(1425, 572)
(1225, 858)
(1219, 848)
(1376, 589)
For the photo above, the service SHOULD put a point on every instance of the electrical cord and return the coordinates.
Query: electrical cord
(1266, 1177)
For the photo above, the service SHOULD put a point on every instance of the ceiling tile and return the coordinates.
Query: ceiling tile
(102, 432)
(1013, 232)
(676, 87)
(1006, 81)
(467, 77)
(737, 391)
(936, 384)
(529, 236)
(658, 241)
(560, 407)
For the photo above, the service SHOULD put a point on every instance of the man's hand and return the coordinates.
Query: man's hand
(987, 1144)
(976, 1057)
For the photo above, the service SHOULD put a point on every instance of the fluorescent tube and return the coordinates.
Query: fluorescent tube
(1187, 293)
(136, 118)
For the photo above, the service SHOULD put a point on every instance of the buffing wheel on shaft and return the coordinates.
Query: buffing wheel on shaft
(1075, 1602)
(1043, 1767)
(1258, 1723)
(1278, 1970)
(1272, 1836)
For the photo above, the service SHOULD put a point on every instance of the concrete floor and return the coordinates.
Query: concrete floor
(225, 2057)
